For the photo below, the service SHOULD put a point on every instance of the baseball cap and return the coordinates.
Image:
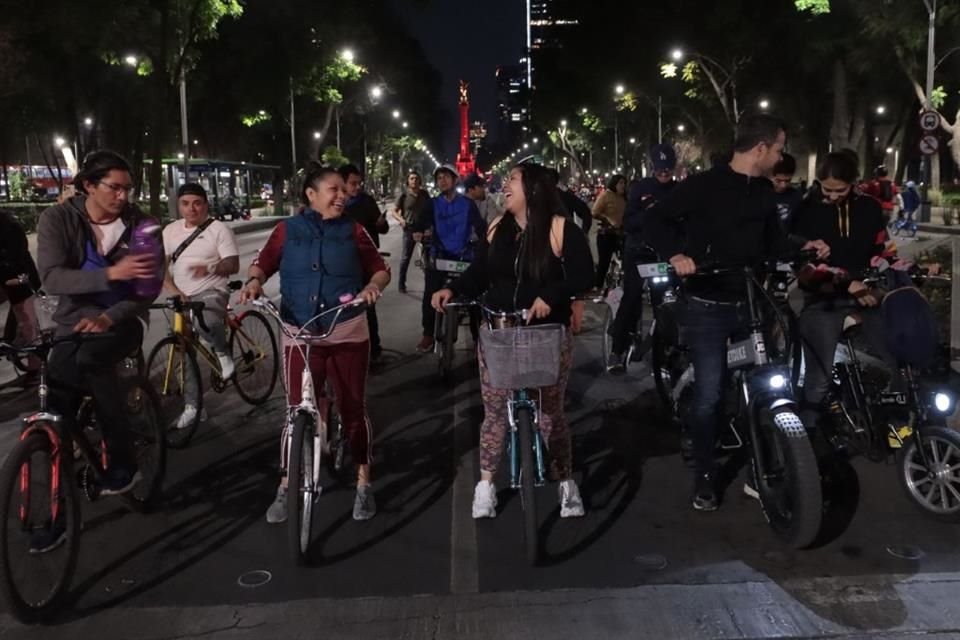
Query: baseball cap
(191, 189)
(663, 157)
(473, 180)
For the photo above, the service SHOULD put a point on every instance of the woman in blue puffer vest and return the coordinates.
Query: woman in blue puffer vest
(325, 259)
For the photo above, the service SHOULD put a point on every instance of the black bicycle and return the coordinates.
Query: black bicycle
(39, 482)
(760, 411)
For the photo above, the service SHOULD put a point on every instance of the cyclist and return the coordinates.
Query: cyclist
(608, 210)
(201, 256)
(534, 258)
(84, 258)
(643, 195)
(454, 224)
(853, 225)
(322, 256)
(15, 260)
(412, 204)
(362, 208)
(883, 189)
(475, 188)
(786, 195)
(728, 215)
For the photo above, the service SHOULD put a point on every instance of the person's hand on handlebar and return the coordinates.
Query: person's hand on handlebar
(539, 309)
(251, 291)
(96, 324)
(821, 247)
(370, 294)
(132, 267)
(862, 294)
(683, 265)
(440, 299)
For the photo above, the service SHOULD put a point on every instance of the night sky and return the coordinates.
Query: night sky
(468, 41)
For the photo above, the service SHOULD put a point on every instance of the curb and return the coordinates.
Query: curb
(952, 230)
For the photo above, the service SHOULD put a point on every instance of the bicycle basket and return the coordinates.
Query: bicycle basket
(522, 357)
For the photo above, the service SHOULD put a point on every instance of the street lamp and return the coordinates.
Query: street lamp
(536, 140)
(131, 60)
(563, 123)
(59, 142)
(619, 89)
(316, 135)
(764, 104)
(396, 114)
(584, 111)
(88, 122)
(677, 55)
(405, 125)
(347, 55)
(881, 110)
(681, 128)
(633, 141)
(376, 92)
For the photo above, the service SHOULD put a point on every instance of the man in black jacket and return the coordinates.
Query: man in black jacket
(364, 210)
(726, 215)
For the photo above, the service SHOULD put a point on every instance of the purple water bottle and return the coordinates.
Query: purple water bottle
(145, 241)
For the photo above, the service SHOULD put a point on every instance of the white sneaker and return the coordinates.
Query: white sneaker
(277, 512)
(227, 368)
(485, 500)
(189, 415)
(571, 505)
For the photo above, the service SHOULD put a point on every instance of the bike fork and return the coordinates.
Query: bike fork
(513, 445)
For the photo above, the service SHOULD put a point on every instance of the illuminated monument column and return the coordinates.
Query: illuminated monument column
(465, 162)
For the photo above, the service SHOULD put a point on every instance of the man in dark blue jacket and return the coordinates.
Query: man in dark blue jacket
(642, 195)
(454, 225)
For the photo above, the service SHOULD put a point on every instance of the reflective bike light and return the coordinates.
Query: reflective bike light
(778, 381)
(943, 402)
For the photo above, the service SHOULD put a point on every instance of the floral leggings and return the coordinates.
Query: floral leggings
(553, 422)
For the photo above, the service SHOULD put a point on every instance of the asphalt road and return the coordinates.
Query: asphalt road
(640, 564)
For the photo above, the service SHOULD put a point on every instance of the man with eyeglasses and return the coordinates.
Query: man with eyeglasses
(642, 195)
(84, 258)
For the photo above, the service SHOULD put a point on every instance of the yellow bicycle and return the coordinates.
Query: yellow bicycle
(174, 369)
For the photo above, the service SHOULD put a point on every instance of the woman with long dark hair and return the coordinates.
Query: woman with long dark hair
(534, 259)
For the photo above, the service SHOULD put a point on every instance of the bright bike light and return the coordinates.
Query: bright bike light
(778, 381)
(943, 402)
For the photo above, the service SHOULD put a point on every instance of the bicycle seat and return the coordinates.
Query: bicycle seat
(852, 323)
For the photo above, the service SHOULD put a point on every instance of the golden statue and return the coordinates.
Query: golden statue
(464, 89)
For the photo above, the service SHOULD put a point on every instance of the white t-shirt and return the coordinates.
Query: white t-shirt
(213, 245)
(108, 235)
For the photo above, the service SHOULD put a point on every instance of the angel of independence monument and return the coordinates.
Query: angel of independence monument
(465, 160)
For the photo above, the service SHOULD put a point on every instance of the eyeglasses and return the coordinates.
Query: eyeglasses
(118, 189)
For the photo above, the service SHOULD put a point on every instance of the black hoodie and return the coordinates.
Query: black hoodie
(719, 217)
(854, 229)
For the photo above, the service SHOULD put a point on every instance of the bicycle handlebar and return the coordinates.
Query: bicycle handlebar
(178, 305)
(48, 342)
(271, 309)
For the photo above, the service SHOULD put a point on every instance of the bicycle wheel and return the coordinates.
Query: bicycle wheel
(257, 357)
(300, 489)
(149, 441)
(34, 583)
(528, 478)
(448, 335)
(171, 368)
(336, 458)
(606, 340)
(933, 490)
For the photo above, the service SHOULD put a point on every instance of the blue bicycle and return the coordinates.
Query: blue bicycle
(904, 226)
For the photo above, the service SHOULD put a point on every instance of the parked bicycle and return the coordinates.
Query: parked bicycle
(173, 365)
(39, 488)
(312, 434)
(760, 411)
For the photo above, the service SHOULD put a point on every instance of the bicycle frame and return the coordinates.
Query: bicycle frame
(521, 399)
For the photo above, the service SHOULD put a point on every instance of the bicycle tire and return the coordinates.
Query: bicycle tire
(30, 612)
(336, 460)
(662, 378)
(166, 357)
(255, 389)
(446, 344)
(528, 473)
(300, 494)
(794, 509)
(149, 442)
(606, 341)
(913, 475)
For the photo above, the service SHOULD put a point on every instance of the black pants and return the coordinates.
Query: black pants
(607, 245)
(406, 256)
(91, 367)
(433, 281)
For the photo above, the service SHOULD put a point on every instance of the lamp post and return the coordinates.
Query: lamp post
(925, 167)
(618, 90)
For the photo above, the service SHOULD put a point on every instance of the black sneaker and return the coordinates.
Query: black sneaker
(403, 288)
(119, 480)
(705, 493)
(618, 365)
(48, 538)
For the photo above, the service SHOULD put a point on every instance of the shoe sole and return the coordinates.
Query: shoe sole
(704, 508)
(572, 514)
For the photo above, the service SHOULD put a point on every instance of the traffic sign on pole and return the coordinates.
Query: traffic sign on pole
(929, 145)
(929, 120)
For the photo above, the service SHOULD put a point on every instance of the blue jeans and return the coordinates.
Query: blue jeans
(705, 329)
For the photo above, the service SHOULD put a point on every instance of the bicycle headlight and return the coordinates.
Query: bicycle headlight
(778, 381)
(943, 402)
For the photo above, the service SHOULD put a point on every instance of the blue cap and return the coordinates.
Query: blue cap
(663, 157)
